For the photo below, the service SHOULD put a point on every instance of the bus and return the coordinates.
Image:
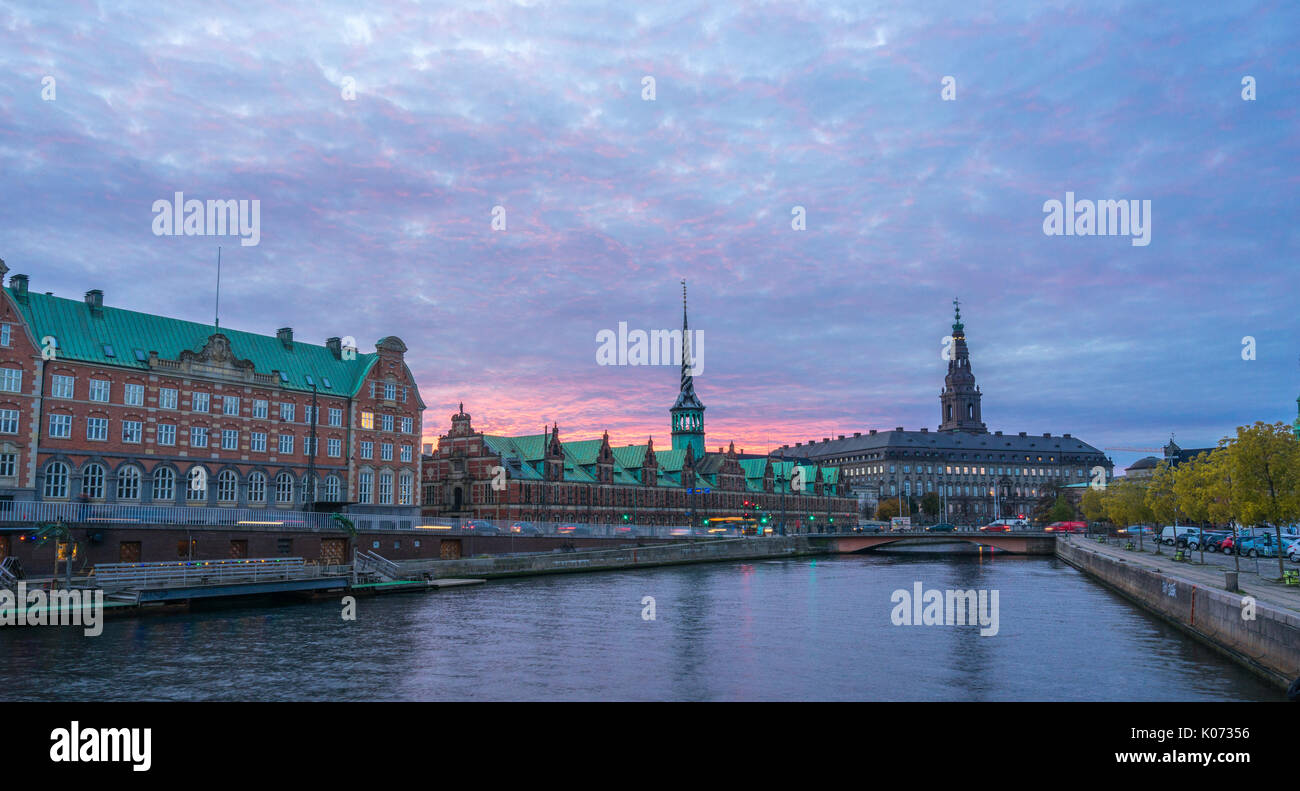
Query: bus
(749, 526)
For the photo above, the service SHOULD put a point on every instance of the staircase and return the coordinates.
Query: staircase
(372, 563)
(10, 572)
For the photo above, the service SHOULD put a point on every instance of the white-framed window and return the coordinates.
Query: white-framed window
(132, 431)
(198, 436)
(62, 386)
(230, 405)
(332, 489)
(386, 451)
(257, 441)
(390, 391)
(128, 483)
(286, 443)
(257, 487)
(133, 395)
(368, 419)
(8, 465)
(166, 434)
(336, 417)
(56, 481)
(406, 453)
(310, 447)
(167, 397)
(408, 425)
(334, 446)
(387, 422)
(100, 390)
(367, 449)
(92, 481)
(284, 488)
(385, 488)
(8, 421)
(259, 408)
(164, 484)
(11, 380)
(306, 415)
(230, 439)
(286, 412)
(227, 486)
(365, 486)
(61, 426)
(404, 490)
(6, 334)
(199, 402)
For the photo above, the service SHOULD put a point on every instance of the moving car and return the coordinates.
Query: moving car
(942, 527)
(996, 527)
(575, 530)
(480, 526)
(1066, 527)
(525, 529)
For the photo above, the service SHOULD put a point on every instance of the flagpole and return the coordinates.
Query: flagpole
(216, 311)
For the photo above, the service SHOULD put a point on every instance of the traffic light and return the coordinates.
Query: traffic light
(626, 518)
(763, 520)
(832, 520)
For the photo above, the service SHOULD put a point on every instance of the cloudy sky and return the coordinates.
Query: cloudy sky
(377, 210)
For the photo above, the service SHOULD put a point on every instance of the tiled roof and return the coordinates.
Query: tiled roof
(88, 336)
(936, 440)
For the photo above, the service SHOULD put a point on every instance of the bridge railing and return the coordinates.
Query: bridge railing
(199, 572)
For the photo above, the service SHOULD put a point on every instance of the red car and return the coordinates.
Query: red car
(1067, 527)
(996, 528)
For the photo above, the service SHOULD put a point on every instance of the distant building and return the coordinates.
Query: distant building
(121, 407)
(963, 463)
(538, 477)
(1145, 467)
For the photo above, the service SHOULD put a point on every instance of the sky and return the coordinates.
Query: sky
(384, 140)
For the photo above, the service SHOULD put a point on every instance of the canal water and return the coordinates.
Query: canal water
(798, 629)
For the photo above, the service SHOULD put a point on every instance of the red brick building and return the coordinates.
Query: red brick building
(136, 408)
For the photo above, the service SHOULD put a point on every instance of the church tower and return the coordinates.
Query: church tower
(687, 411)
(960, 399)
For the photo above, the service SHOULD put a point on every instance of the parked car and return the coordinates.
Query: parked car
(1210, 540)
(1264, 545)
(1293, 551)
(1179, 534)
(1066, 527)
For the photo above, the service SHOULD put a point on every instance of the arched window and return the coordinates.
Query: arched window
(128, 483)
(309, 486)
(257, 487)
(332, 489)
(56, 481)
(92, 481)
(284, 488)
(970, 411)
(196, 485)
(227, 486)
(164, 484)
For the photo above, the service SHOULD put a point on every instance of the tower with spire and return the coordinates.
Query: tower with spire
(960, 399)
(687, 412)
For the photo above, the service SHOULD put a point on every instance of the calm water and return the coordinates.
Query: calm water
(804, 629)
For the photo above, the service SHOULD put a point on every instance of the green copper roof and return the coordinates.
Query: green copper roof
(88, 337)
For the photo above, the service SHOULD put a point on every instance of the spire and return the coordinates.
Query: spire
(686, 397)
(960, 399)
(957, 326)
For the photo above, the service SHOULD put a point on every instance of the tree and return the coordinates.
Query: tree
(1265, 463)
(1046, 502)
(1159, 496)
(888, 509)
(930, 504)
(1192, 486)
(1062, 511)
(1093, 504)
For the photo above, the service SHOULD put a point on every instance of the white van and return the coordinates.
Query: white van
(1171, 533)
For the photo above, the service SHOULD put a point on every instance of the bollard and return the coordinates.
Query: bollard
(1229, 580)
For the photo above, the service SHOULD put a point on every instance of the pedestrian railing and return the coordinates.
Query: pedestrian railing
(198, 572)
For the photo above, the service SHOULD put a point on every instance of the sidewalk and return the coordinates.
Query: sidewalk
(1204, 575)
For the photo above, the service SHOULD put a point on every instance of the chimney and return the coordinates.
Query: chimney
(857, 433)
(19, 285)
(997, 433)
(335, 345)
(826, 439)
(798, 444)
(428, 449)
(925, 431)
(898, 428)
(1022, 433)
(285, 334)
(1067, 436)
(95, 299)
(841, 436)
(873, 432)
(1047, 434)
